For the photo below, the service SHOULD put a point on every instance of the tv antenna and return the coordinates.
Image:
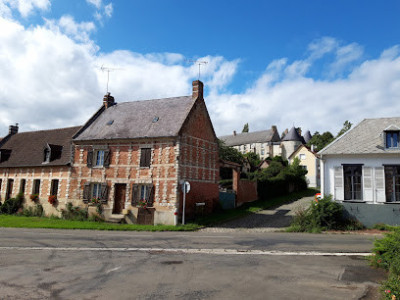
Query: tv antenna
(108, 70)
(199, 63)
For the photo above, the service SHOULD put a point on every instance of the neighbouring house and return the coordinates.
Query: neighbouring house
(361, 169)
(309, 160)
(127, 155)
(264, 143)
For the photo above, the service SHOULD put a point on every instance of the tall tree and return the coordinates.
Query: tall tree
(246, 127)
(346, 126)
(321, 140)
(229, 153)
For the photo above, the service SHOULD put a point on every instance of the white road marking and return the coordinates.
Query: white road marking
(194, 251)
(112, 270)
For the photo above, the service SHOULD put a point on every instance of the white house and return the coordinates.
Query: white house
(361, 169)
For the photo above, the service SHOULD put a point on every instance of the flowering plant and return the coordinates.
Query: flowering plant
(94, 201)
(34, 197)
(142, 203)
(52, 199)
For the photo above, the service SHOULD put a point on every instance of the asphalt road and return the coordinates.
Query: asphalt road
(58, 264)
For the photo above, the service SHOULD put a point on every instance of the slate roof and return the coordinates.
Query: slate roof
(27, 147)
(293, 135)
(139, 119)
(367, 137)
(307, 136)
(263, 136)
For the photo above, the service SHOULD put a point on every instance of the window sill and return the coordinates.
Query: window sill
(354, 201)
(391, 202)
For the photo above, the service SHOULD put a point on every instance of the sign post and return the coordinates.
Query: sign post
(185, 190)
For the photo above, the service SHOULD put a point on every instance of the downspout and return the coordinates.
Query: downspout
(322, 177)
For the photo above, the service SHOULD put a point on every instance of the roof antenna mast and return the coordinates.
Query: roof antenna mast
(198, 62)
(108, 70)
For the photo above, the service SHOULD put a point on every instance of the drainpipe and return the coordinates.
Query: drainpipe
(322, 181)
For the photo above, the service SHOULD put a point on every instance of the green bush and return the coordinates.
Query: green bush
(35, 211)
(13, 205)
(322, 215)
(74, 213)
(387, 256)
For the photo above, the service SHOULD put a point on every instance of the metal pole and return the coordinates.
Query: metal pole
(184, 203)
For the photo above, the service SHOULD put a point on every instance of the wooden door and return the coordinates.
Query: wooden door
(119, 198)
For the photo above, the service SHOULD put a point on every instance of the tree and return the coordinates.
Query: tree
(346, 126)
(229, 153)
(246, 127)
(321, 140)
(253, 158)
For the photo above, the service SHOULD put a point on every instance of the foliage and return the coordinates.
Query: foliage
(387, 256)
(74, 213)
(323, 214)
(245, 127)
(229, 153)
(321, 140)
(253, 159)
(52, 199)
(34, 197)
(33, 211)
(346, 126)
(99, 206)
(12, 205)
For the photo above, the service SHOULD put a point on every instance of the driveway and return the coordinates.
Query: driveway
(267, 220)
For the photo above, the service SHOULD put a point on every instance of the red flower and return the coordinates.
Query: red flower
(52, 199)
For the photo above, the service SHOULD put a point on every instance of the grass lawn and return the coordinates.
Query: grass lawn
(210, 220)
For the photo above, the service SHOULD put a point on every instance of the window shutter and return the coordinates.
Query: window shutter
(104, 193)
(135, 196)
(142, 157)
(107, 157)
(380, 184)
(338, 183)
(86, 192)
(150, 195)
(90, 158)
(367, 178)
(148, 157)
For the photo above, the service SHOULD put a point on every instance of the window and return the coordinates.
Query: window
(145, 157)
(22, 184)
(95, 190)
(392, 139)
(352, 182)
(302, 156)
(262, 152)
(392, 183)
(142, 192)
(98, 158)
(51, 152)
(36, 187)
(54, 187)
(10, 184)
(4, 155)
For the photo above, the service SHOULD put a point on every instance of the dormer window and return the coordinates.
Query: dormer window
(46, 155)
(392, 139)
(4, 155)
(51, 152)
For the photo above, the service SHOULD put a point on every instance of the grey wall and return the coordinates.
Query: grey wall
(371, 214)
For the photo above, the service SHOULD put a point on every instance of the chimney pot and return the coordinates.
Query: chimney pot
(273, 127)
(13, 129)
(197, 89)
(108, 100)
(234, 132)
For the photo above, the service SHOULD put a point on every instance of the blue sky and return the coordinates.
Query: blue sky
(312, 64)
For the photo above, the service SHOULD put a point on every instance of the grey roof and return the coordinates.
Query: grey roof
(27, 148)
(263, 136)
(307, 136)
(293, 135)
(139, 119)
(367, 137)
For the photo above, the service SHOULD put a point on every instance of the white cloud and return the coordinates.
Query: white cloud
(24, 7)
(51, 78)
(96, 3)
(102, 11)
(108, 10)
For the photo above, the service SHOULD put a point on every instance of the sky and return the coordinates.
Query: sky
(312, 64)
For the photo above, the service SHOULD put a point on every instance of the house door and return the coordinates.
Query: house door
(10, 184)
(119, 198)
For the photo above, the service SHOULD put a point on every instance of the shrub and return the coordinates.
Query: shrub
(387, 256)
(36, 211)
(12, 205)
(74, 213)
(322, 215)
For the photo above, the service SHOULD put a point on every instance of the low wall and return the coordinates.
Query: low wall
(371, 214)
(246, 191)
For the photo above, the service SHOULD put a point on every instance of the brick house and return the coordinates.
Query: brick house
(137, 151)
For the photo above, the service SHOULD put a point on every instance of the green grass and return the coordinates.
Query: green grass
(37, 222)
(252, 207)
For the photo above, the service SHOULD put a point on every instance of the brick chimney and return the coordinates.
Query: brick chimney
(13, 129)
(273, 128)
(108, 100)
(234, 132)
(197, 89)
